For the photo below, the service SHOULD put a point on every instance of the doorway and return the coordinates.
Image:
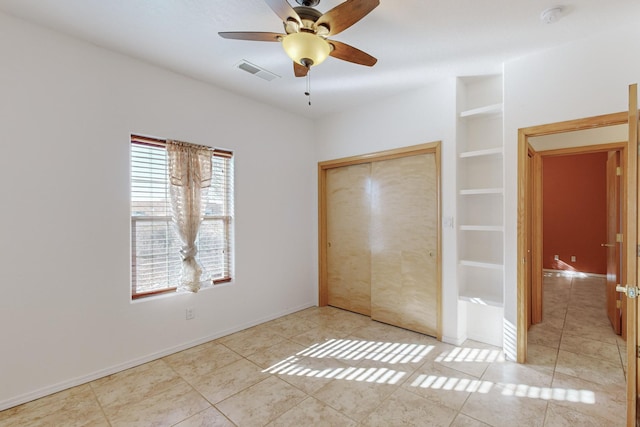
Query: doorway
(529, 187)
(629, 196)
(575, 211)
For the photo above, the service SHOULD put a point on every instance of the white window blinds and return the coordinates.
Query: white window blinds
(155, 246)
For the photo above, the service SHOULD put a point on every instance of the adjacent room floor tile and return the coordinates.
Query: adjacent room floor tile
(601, 350)
(589, 368)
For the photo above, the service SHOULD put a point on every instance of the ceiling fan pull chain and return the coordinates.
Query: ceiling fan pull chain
(308, 91)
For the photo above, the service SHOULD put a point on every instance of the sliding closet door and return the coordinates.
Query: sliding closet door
(404, 243)
(348, 206)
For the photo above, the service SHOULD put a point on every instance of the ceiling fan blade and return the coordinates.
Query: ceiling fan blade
(299, 70)
(346, 14)
(283, 9)
(349, 53)
(249, 35)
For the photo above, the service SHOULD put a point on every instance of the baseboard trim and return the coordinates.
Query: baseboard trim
(457, 341)
(64, 385)
(487, 339)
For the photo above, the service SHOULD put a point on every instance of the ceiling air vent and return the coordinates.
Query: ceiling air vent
(256, 71)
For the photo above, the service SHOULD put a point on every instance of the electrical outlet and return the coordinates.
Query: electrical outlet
(573, 258)
(190, 313)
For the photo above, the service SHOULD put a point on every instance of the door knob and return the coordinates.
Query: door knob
(629, 291)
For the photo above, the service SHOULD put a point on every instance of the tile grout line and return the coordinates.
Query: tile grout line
(99, 404)
(555, 365)
(212, 405)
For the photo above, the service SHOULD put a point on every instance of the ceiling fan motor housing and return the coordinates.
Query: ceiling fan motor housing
(308, 3)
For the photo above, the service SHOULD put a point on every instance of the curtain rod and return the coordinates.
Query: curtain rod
(157, 142)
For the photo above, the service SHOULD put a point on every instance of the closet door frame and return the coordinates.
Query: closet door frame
(431, 147)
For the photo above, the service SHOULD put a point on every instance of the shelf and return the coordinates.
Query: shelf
(482, 111)
(487, 265)
(481, 299)
(479, 153)
(472, 191)
(481, 228)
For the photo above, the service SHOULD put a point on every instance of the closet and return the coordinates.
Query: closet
(380, 236)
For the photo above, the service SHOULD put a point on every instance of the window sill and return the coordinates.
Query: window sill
(146, 296)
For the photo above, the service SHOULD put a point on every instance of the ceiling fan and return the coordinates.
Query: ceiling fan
(307, 30)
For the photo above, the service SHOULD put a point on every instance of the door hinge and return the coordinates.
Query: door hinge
(638, 352)
(618, 304)
(619, 238)
(638, 251)
(618, 171)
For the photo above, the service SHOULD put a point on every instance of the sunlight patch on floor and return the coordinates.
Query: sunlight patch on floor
(566, 271)
(295, 366)
(387, 352)
(466, 354)
(436, 382)
(301, 365)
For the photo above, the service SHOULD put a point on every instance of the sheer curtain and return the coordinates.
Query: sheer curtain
(189, 180)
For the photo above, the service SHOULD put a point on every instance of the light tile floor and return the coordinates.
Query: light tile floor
(328, 367)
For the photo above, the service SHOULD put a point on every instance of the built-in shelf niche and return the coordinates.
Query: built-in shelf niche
(480, 205)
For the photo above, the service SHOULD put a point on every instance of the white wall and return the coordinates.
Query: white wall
(582, 79)
(424, 115)
(67, 109)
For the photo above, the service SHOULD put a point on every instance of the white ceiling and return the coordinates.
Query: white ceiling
(415, 41)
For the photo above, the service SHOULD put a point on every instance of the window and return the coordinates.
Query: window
(155, 245)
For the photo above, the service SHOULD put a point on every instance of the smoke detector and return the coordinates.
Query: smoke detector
(551, 15)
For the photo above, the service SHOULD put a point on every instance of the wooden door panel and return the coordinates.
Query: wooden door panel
(348, 254)
(404, 243)
(612, 247)
(630, 258)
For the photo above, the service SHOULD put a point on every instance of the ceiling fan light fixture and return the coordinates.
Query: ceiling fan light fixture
(306, 49)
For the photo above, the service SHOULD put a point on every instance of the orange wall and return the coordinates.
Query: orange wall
(574, 204)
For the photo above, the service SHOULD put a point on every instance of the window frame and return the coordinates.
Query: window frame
(227, 219)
